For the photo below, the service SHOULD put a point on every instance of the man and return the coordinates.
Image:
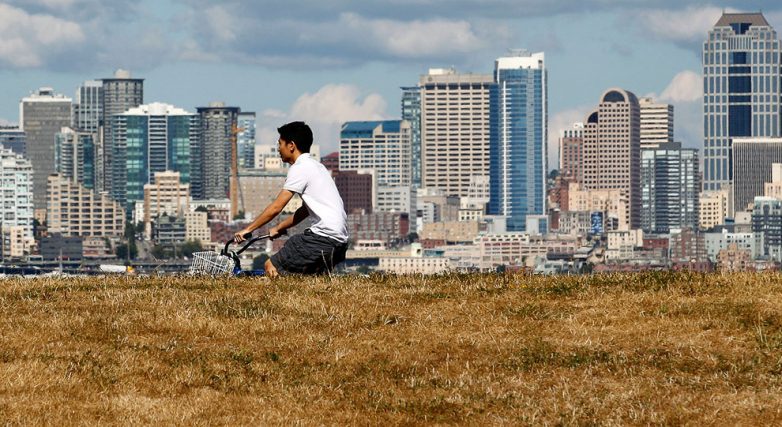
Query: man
(323, 245)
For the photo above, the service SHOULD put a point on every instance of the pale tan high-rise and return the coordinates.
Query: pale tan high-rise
(454, 129)
(612, 150)
(656, 123)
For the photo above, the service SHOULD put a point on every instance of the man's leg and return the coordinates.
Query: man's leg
(271, 270)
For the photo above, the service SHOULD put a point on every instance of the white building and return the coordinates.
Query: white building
(714, 207)
(656, 123)
(454, 129)
(416, 263)
(715, 242)
(165, 196)
(197, 227)
(267, 157)
(16, 198)
(621, 244)
(385, 148)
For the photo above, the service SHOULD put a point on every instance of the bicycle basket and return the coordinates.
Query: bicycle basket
(211, 263)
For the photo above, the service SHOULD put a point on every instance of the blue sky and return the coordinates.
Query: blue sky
(331, 61)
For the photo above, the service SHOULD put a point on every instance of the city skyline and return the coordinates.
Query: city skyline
(190, 54)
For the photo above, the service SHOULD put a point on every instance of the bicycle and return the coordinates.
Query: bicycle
(226, 262)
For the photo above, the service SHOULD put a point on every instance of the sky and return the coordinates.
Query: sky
(327, 62)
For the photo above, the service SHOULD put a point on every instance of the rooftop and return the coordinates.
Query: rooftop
(742, 18)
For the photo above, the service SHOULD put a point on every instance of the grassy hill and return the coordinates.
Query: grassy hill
(481, 349)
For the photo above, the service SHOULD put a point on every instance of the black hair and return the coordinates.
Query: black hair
(298, 133)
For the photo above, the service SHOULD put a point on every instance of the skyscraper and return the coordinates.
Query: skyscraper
(88, 109)
(13, 138)
(411, 111)
(656, 123)
(571, 153)
(42, 115)
(670, 186)
(741, 81)
(518, 131)
(16, 199)
(245, 140)
(454, 129)
(148, 139)
(74, 157)
(752, 168)
(612, 149)
(120, 93)
(211, 162)
(384, 148)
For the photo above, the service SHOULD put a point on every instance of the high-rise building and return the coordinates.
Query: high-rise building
(42, 115)
(774, 187)
(714, 207)
(245, 140)
(752, 163)
(166, 195)
(74, 156)
(518, 131)
(16, 197)
(120, 94)
(258, 188)
(88, 109)
(197, 227)
(411, 111)
(148, 139)
(356, 190)
(13, 138)
(211, 162)
(384, 148)
(454, 129)
(76, 211)
(612, 149)
(571, 153)
(767, 226)
(670, 186)
(656, 124)
(741, 98)
(331, 162)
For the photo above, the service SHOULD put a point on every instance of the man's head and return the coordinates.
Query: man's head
(294, 136)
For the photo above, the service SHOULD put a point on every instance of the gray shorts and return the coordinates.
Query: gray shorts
(309, 253)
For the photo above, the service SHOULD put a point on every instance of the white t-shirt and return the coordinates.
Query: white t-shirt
(310, 179)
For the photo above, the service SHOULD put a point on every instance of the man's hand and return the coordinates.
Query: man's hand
(274, 233)
(239, 237)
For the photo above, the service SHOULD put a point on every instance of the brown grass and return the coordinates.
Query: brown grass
(653, 348)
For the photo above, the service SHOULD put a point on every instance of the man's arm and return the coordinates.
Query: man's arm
(291, 221)
(267, 215)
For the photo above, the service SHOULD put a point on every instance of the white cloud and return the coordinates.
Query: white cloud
(686, 26)
(4, 122)
(325, 111)
(26, 39)
(685, 92)
(558, 122)
(416, 38)
(686, 86)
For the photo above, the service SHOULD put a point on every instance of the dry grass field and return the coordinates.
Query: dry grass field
(659, 348)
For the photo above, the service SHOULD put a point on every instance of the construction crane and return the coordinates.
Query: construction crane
(234, 184)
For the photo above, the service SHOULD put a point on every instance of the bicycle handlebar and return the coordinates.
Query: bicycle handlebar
(250, 241)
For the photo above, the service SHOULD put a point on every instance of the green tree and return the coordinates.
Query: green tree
(260, 261)
(189, 247)
(122, 251)
(159, 252)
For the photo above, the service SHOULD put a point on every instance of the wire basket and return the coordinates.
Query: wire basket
(211, 263)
